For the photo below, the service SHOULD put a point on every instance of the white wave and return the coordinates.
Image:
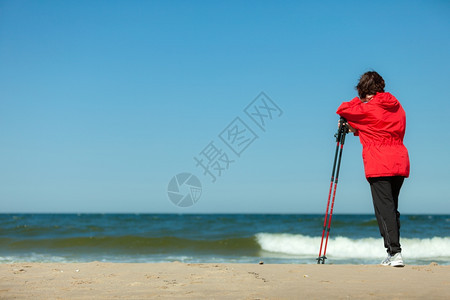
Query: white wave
(343, 247)
(34, 257)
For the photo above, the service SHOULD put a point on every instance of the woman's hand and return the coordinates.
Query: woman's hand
(350, 128)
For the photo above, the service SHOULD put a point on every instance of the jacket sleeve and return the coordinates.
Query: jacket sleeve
(357, 113)
(352, 111)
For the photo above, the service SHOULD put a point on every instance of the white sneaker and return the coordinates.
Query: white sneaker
(386, 261)
(395, 260)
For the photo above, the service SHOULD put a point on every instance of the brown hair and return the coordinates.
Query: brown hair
(370, 83)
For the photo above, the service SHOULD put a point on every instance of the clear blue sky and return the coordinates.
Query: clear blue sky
(103, 102)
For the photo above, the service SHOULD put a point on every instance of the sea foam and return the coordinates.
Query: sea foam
(343, 247)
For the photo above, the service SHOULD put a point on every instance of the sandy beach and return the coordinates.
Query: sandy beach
(97, 280)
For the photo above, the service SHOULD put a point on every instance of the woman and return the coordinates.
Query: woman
(379, 120)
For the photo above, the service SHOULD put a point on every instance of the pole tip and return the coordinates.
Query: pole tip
(321, 259)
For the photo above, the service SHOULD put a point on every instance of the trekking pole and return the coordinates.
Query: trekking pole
(340, 139)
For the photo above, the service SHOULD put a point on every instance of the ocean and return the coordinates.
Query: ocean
(215, 238)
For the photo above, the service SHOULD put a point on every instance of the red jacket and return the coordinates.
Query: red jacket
(380, 124)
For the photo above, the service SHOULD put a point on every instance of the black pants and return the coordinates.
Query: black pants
(385, 191)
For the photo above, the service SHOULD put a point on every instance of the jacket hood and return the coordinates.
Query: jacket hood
(387, 100)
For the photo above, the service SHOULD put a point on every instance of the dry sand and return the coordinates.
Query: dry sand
(221, 281)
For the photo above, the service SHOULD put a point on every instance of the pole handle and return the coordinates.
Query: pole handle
(342, 130)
